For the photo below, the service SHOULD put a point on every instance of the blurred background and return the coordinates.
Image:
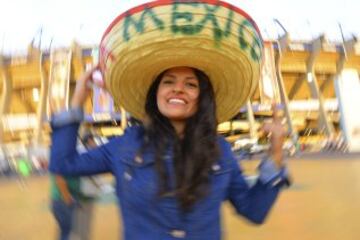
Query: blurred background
(311, 70)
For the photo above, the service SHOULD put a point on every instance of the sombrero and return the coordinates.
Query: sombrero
(213, 36)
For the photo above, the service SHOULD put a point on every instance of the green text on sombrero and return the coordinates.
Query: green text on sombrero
(184, 21)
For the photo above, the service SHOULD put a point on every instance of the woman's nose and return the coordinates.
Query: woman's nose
(178, 87)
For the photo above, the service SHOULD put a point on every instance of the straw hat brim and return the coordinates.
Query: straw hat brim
(130, 67)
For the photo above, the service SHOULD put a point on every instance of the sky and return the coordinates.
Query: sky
(63, 21)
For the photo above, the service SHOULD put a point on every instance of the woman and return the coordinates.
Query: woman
(173, 171)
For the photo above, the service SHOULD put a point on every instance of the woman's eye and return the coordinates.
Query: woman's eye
(192, 85)
(167, 81)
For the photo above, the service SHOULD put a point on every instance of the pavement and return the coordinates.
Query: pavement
(323, 203)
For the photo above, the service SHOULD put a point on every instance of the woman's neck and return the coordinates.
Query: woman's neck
(179, 127)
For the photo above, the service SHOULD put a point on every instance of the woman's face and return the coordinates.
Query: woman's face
(178, 94)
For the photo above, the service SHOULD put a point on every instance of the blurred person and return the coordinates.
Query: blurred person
(24, 170)
(64, 192)
(90, 188)
(24, 167)
(71, 206)
(173, 171)
(5, 167)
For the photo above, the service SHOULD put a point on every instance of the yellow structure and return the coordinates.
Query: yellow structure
(306, 75)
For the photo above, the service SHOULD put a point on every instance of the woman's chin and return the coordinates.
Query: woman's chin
(176, 116)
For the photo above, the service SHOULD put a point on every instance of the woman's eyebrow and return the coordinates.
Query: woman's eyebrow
(169, 75)
(173, 76)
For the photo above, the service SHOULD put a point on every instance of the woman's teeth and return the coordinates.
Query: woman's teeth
(178, 101)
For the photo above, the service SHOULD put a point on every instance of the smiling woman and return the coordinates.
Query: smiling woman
(173, 171)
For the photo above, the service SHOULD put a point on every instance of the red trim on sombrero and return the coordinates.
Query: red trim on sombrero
(168, 2)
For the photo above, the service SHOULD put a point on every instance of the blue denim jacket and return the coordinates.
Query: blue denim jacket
(149, 217)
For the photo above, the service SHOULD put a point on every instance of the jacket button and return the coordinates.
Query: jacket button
(178, 233)
(138, 159)
(127, 176)
(216, 167)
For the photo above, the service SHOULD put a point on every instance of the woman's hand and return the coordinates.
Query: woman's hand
(276, 131)
(84, 84)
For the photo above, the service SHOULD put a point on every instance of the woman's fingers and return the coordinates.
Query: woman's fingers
(266, 127)
(275, 127)
(84, 85)
(87, 76)
(98, 79)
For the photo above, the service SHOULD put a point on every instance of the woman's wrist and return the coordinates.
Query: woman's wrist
(277, 157)
(72, 115)
(76, 103)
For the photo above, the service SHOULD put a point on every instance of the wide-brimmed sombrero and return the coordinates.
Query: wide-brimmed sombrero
(213, 36)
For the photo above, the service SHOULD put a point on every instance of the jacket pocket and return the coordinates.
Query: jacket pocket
(138, 180)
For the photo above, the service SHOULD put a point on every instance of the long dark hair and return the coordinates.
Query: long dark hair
(194, 154)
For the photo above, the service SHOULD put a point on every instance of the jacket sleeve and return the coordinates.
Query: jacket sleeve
(65, 160)
(255, 202)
